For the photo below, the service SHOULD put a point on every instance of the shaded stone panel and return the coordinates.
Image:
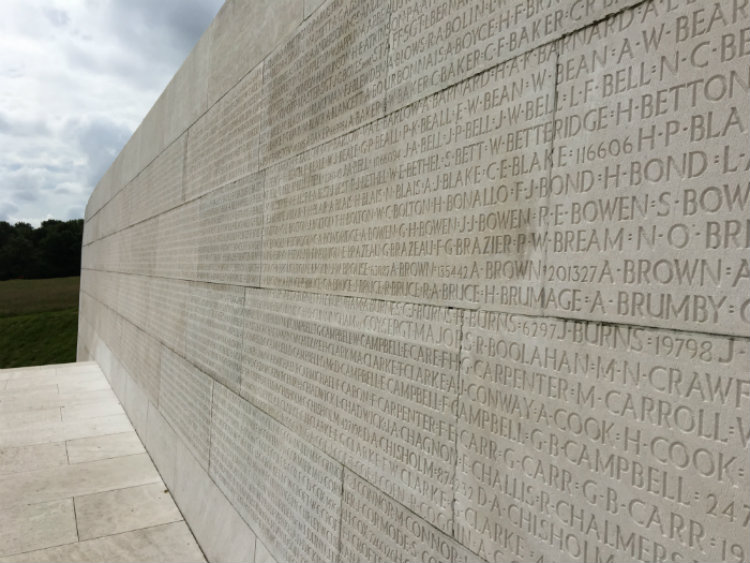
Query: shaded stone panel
(140, 354)
(223, 143)
(242, 34)
(176, 252)
(373, 384)
(438, 44)
(442, 202)
(185, 401)
(167, 305)
(231, 227)
(288, 491)
(341, 49)
(213, 336)
(157, 188)
(375, 528)
(137, 247)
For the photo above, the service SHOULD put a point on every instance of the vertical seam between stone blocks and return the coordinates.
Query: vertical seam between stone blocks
(184, 164)
(75, 517)
(210, 420)
(210, 426)
(387, 59)
(556, 46)
(242, 343)
(261, 260)
(341, 515)
(459, 389)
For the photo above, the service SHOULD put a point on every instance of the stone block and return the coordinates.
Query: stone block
(442, 202)
(380, 385)
(344, 45)
(286, 490)
(433, 46)
(223, 143)
(243, 34)
(185, 402)
(123, 510)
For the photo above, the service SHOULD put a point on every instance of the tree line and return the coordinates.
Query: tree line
(53, 250)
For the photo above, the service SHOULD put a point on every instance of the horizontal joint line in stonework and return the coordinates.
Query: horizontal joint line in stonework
(452, 307)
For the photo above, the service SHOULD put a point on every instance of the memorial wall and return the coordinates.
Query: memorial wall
(440, 280)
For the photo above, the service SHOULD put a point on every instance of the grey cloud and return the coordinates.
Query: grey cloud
(101, 140)
(75, 212)
(24, 195)
(58, 18)
(22, 128)
(7, 210)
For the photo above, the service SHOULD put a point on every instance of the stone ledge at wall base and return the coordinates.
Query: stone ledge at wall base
(479, 269)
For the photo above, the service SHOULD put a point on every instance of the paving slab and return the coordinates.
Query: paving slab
(171, 542)
(104, 447)
(76, 483)
(124, 510)
(30, 527)
(31, 458)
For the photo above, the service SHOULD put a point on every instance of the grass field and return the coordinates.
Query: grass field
(38, 321)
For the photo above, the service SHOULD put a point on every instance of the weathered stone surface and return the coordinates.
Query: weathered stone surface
(213, 339)
(243, 34)
(652, 129)
(231, 228)
(437, 44)
(603, 434)
(288, 491)
(379, 385)
(377, 528)
(185, 401)
(442, 202)
(223, 143)
(344, 45)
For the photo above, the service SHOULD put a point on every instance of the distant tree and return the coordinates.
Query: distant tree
(53, 250)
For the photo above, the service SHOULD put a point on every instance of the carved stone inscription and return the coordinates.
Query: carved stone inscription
(587, 442)
(157, 188)
(442, 202)
(373, 384)
(140, 354)
(328, 79)
(213, 337)
(439, 43)
(288, 491)
(185, 401)
(650, 204)
(375, 528)
(223, 144)
(229, 233)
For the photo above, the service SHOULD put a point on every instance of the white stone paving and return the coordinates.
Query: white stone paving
(76, 483)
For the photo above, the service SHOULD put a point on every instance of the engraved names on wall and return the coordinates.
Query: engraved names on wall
(374, 384)
(653, 106)
(428, 204)
(581, 441)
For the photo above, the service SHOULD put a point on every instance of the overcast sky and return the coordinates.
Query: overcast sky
(76, 79)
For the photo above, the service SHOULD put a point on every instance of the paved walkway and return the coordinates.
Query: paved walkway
(75, 481)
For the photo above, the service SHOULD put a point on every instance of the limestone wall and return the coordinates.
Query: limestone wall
(440, 281)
